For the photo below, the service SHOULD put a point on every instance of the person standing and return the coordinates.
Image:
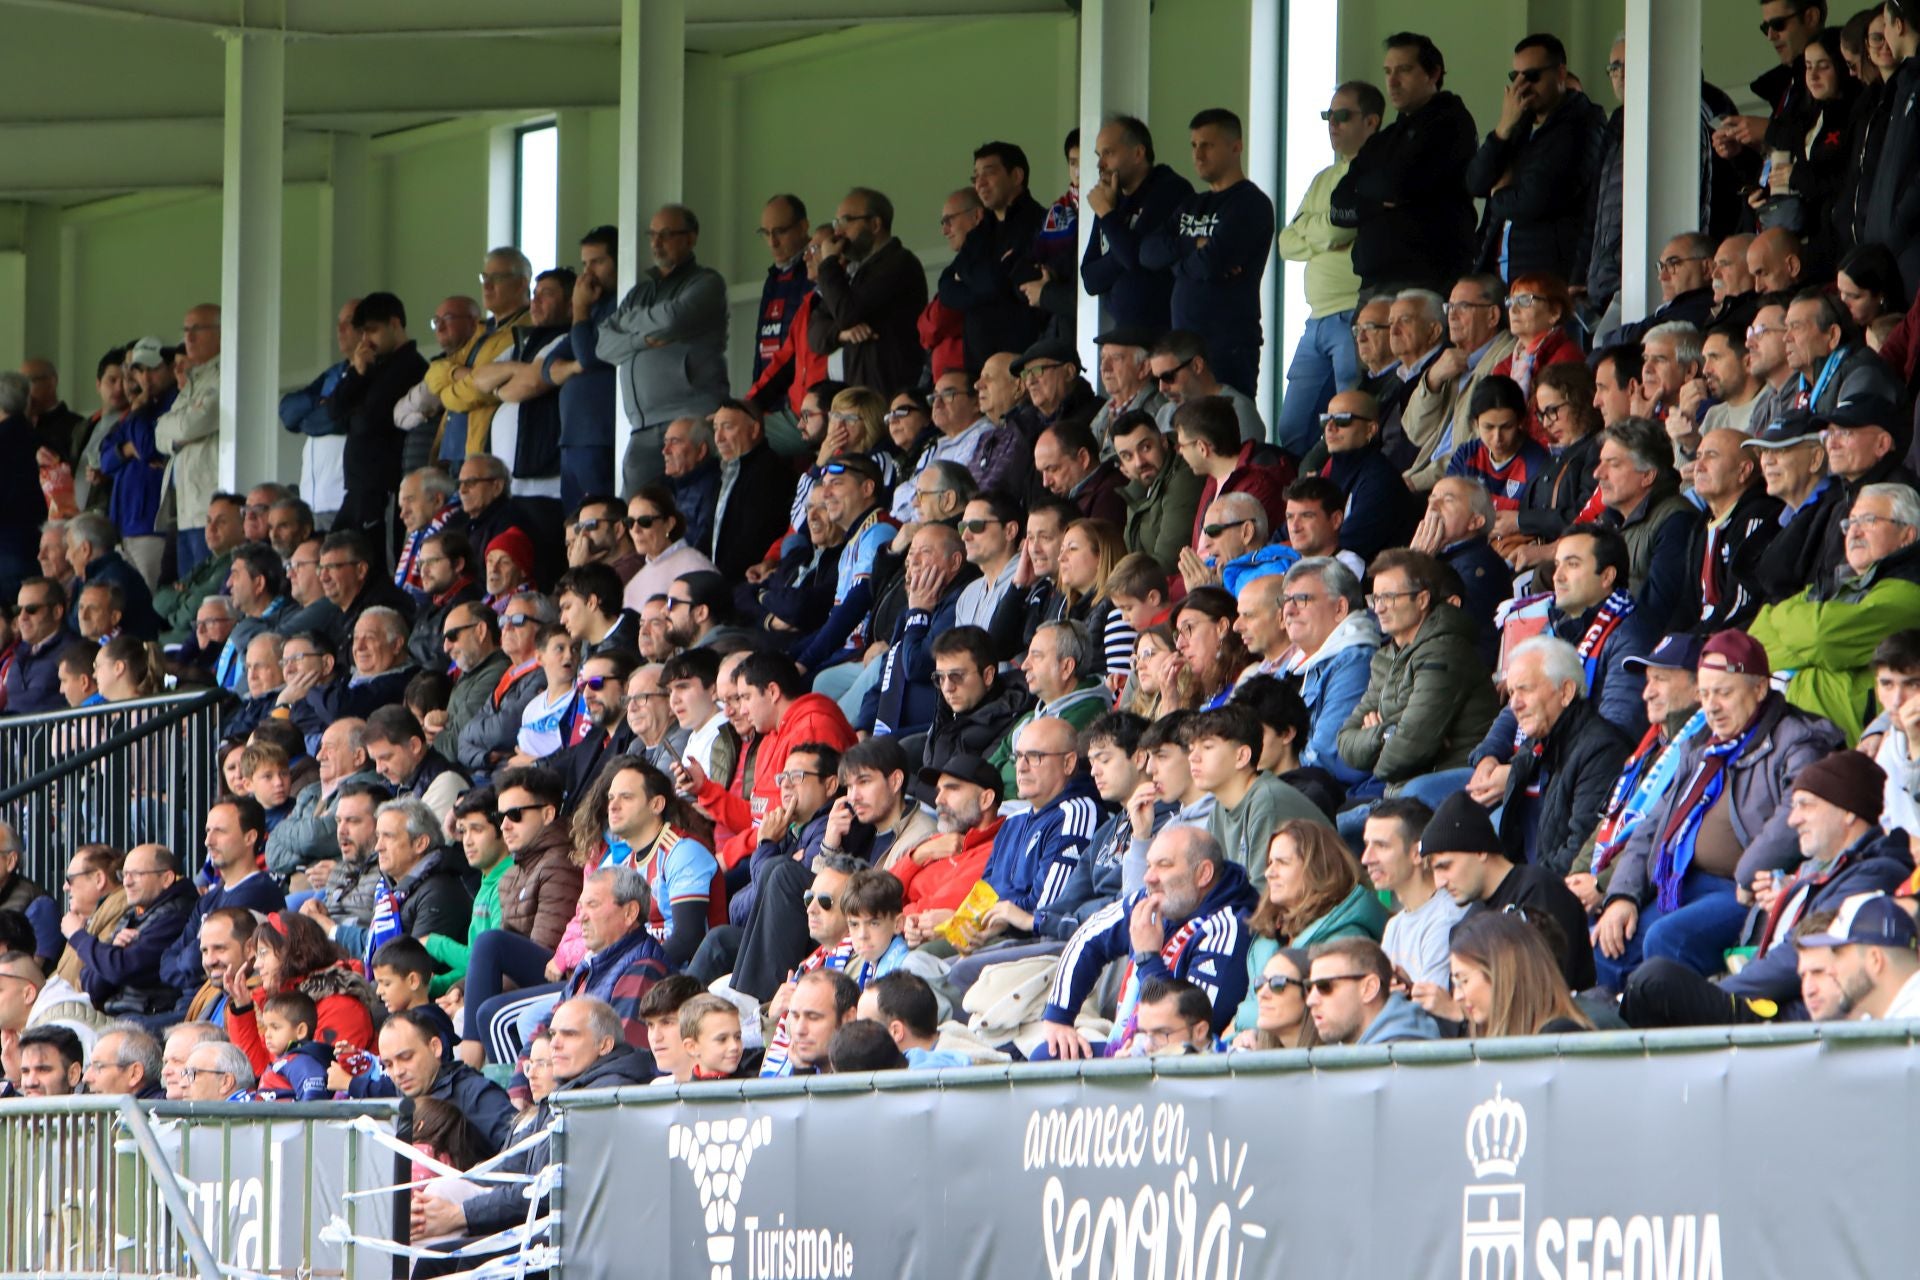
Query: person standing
(190, 432)
(1133, 198)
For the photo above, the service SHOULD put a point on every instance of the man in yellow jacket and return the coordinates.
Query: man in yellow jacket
(506, 282)
(1325, 361)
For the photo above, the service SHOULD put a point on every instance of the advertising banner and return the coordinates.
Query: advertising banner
(1784, 1159)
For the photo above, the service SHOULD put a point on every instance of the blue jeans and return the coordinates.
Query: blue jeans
(585, 471)
(1429, 788)
(190, 548)
(1696, 933)
(499, 956)
(1326, 361)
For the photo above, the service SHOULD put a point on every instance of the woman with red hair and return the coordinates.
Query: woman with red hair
(292, 953)
(1538, 306)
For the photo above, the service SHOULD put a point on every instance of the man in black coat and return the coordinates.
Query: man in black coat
(384, 366)
(982, 282)
(1406, 191)
(1567, 759)
(1742, 520)
(872, 291)
(1793, 462)
(756, 492)
(1536, 169)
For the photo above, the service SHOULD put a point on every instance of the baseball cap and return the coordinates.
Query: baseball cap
(1864, 410)
(1677, 652)
(966, 766)
(147, 353)
(1784, 432)
(1868, 919)
(1737, 652)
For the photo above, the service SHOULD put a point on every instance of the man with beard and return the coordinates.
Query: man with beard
(872, 290)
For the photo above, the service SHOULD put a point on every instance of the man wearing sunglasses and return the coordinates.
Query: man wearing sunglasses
(1381, 511)
(1326, 360)
(33, 676)
(1351, 999)
(1789, 26)
(1536, 168)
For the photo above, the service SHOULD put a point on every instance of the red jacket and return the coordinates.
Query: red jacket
(1556, 347)
(944, 885)
(1268, 484)
(812, 717)
(943, 334)
(344, 1017)
(808, 367)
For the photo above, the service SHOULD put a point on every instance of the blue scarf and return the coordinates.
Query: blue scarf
(1702, 792)
(1613, 611)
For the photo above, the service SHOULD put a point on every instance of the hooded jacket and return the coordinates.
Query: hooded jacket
(1208, 949)
(1332, 680)
(1401, 1019)
(1434, 697)
(811, 717)
(1080, 707)
(126, 980)
(1418, 166)
(976, 732)
(1875, 863)
(1575, 769)
(1784, 741)
(540, 890)
(1538, 221)
(1133, 296)
(1035, 852)
(300, 1075)
(1358, 915)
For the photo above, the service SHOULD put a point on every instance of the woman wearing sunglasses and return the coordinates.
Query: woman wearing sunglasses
(1280, 1001)
(1315, 893)
(659, 534)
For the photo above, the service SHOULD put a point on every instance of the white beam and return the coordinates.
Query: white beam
(1311, 73)
(1115, 36)
(1660, 188)
(250, 224)
(652, 111)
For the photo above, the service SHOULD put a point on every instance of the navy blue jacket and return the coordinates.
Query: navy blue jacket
(107, 971)
(1216, 287)
(1381, 510)
(137, 617)
(905, 700)
(587, 399)
(180, 966)
(1132, 295)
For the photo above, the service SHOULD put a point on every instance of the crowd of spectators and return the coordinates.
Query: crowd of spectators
(1540, 669)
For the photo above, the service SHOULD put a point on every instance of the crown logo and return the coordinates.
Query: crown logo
(1497, 1136)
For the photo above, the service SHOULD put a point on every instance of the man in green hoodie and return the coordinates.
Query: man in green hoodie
(478, 826)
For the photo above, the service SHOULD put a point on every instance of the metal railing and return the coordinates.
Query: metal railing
(108, 1187)
(124, 773)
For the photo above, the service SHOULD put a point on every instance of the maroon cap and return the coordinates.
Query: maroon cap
(1735, 651)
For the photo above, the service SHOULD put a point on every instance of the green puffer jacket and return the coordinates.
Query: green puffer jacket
(1435, 700)
(1358, 915)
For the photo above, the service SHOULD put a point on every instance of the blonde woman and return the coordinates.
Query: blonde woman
(1089, 550)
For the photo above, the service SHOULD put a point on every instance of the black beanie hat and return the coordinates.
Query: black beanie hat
(1460, 825)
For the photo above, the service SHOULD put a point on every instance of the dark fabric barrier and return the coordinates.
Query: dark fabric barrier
(1771, 1152)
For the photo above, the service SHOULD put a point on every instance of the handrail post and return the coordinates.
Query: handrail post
(185, 1222)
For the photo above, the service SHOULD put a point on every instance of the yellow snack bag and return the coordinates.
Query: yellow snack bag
(963, 930)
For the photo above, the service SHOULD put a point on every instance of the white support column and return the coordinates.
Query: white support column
(250, 217)
(653, 72)
(1265, 129)
(347, 254)
(1661, 184)
(1311, 46)
(1115, 36)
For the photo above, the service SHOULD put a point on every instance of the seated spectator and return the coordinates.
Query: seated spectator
(1207, 439)
(548, 719)
(291, 953)
(218, 1072)
(225, 942)
(659, 537)
(538, 893)
(414, 1061)
(125, 1063)
(1826, 634)
(306, 836)
(1428, 695)
(1503, 459)
(1351, 1000)
(489, 737)
(1875, 957)
(257, 590)
(447, 579)
(32, 677)
(92, 544)
(1233, 546)
(403, 973)
(1505, 980)
(1313, 893)
(796, 831)
(127, 668)
(589, 597)
(1674, 888)
(178, 603)
(821, 1005)
(710, 1038)
(1379, 508)
(120, 970)
(1416, 334)
(1162, 494)
(976, 709)
(1035, 850)
(471, 638)
(1066, 457)
(1792, 454)
(1173, 1018)
(1437, 418)
(1835, 813)
(1415, 938)
(100, 610)
(1224, 747)
(1055, 666)
(1539, 310)
(1866, 442)
(510, 568)
(872, 904)
(351, 587)
(1180, 365)
(1169, 770)
(297, 1064)
(873, 781)
(1559, 497)
(1280, 995)
(1640, 497)
(903, 698)
(1211, 653)
(1741, 521)
(1035, 597)
(236, 836)
(77, 683)
(1470, 864)
(1181, 923)
(690, 678)
(312, 612)
(397, 746)
(905, 1005)
(1566, 757)
(1460, 516)
(1316, 512)
(1824, 346)
(937, 874)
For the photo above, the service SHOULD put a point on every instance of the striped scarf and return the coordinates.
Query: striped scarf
(1702, 792)
(406, 573)
(1614, 610)
(386, 920)
(1644, 780)
(779, 1059)
(1127, 1015)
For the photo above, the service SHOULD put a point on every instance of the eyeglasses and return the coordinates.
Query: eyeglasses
(1338, 115)
(338, 565)
(847, 418)
(1166, 378)
(822, 900)
(1300, 599)
(427, 560)
(288, 659)
(518, 813)
(1378, 598)
(207, 624)
(1031, 758)
(1029, 372)
(1866, 522)
(951, 679)
(951, 393)
(792, 777)
(1369, 326)
(848, 219)
(675, 602)
(948, 219)
(1530, 74)
(1762, 330)
(1616, 67)
(1325, 986)
(441, 322)
(632, 698)
(1455, 308)
(1279, 982)
(843, 468)
(469, 482)
(1670, 265)
(1774, 26)
(768, 233)
(71, 876)
(499, 277)
(1215, 530)
(1523, 301)
(1550, 412)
